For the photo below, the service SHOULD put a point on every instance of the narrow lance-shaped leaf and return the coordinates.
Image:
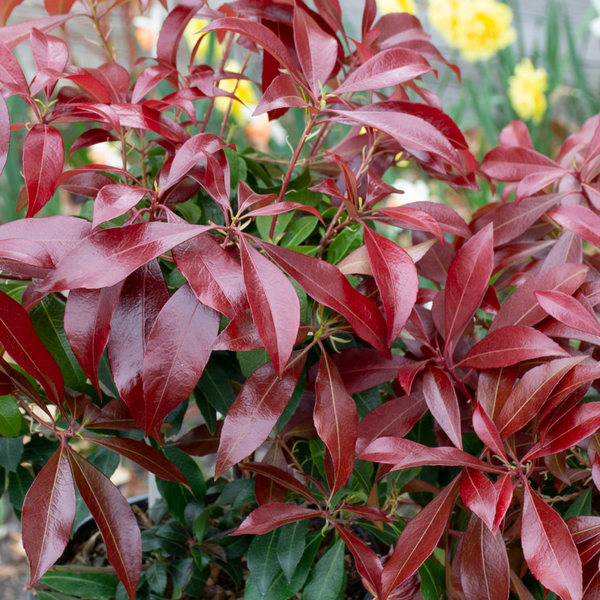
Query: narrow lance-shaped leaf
(48, 514)
(178, 348)
(442, 402)
(114, 518)
(87, 324)
(43, 158)
(114, 200)
(4, 133)
(568, 310)
(485, 572)
(20, 340)
(396, 277)
(580, 220)
(255, 411)
(549, 548)
(479, 495)
(335, 419)
(487, 431)
(419, 539)
(468, 278)
(274, 304)
(267, 517)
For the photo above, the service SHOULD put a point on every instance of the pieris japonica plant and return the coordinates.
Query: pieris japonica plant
(394, 395)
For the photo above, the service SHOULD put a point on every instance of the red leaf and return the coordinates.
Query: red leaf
(6, 9)
(442, 402)
(4, 133)
(368, 564)
(284, 207)
(531, 393)
(568, 310)
(468, 279)
(20, 340)
(144, 455)
(387, 68)
(142, 297)
(487, 432)
(199, 441)
(396, 277)
(178, 348)
(316, 50)
(281, 93)
(149, 78)
(522, 307)
(214, 275)
(580, 220)
(172, 29)
(191, 152)
(405, 453)
(114, 200)
(569, 430)
(107, 256)
(479, 495)
(549, 548)
(255, 411)
(49, 52)
(240, 335)
(509, 346)
(274, 304)
(58, 7)
(87, 324)
(514, 163)
(335, 419)
(394, 418)
(504, 487)
(11, 74)
(43, 158)
(48, 514)
(13, 35)
(267, 517)
(419, 539)
(326, 284)
(485, 572)
(115, 521)
(412, 218)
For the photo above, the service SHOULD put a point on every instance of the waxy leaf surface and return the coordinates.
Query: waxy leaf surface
(568, 310)
(114, 200)
(267, 517)
(479, 495)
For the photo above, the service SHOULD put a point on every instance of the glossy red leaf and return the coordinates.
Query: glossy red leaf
(568, 310)
(549, 548)
(4, 133)
(48, 514)
(419, 539)
(6, 9)
(442, 402)
(267, 517)
(114, 200)
(284, 207)
(88, 314)
(11, 74)
(43, 158)
(177, 350)
(387, 68)
(413, 218)
(199, 441)
(396, 277)
(569, 430)
(402, 454)
(254, 413)
(274, 304)
(144, 455)
(591, 588)
(58, 7)
(394, 418)
(580, 220)
(283, 478)
(281, 93)
(487, 432)
(335, 419)
(509, 346)
(531, 393)
(114, 518)
(522, 307)
(107, 256)
(49, 52)
(505, 488)
(484, 568)
(368, 564)
(513, 163)
(149, 78)
(13, 35)
(316, 50)
(468, 279)
(172, 29)
(20, 340)
(143, 295)
(326, 284)
(479, 495)
(240, 335)
(214, 274)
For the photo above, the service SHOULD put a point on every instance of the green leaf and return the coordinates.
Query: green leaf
(156, 576)
(50, 595)
(290, 546)
(48, 318)
(252, 359)
(93, 585)
(105, 459)
(263, 224)
(262, 560)
(432, 575)
(581, 506)
(190, 469)
(313, 544)
(299, 230)
(327, 577)
(348, 240)
(172, 538)
(11, 451)
(214, 386)
(237, 493)
(19, 482)
(278, 589)
(11, 420)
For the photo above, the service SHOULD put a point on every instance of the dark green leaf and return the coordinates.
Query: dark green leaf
(432, 575)
(19, 482)
(156, 576)
(344, 243)
(327, 577)
(50, 595)
(251, 360)
(290, 546)
(11, 451)
(94, 585)
(299, 230)
(172, 538)
(190, 469)
(11, 421)
(262, 560)
(104, 459)
(237, 493)
(214, 386)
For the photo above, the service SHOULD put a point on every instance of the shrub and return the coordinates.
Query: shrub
(382, 380)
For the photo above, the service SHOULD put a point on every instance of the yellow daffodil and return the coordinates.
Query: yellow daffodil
(245, 91)
(391, 6)
(191, 34)
(526, 90)
(477, 28)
